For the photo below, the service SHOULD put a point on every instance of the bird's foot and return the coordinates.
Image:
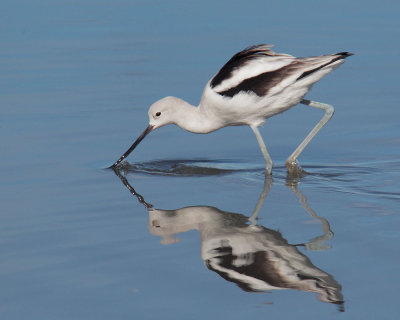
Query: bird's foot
(294, 169)
(268, 172)
(268, 168)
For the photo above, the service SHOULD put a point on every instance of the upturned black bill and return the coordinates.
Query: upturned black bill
(133, 146)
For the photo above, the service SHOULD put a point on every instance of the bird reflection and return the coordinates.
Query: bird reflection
(254, 257)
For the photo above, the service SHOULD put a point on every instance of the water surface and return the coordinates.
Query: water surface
(169, 236)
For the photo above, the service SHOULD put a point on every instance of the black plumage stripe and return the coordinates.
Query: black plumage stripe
(339, 56)
(259, 84)
(238, 60)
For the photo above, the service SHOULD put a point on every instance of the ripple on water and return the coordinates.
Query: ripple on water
(377, 179)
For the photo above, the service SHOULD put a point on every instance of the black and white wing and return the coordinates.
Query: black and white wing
(259, 70)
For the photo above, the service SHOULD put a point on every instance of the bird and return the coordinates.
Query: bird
(254, 85)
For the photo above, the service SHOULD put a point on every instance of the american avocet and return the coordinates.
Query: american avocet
(254, 85)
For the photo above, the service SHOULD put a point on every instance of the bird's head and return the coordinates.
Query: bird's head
(161, 113)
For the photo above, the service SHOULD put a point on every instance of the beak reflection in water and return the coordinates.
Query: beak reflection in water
(133, 146)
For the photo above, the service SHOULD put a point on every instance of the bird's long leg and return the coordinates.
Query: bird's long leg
(267, 187)
(267, 157)
(291, 162)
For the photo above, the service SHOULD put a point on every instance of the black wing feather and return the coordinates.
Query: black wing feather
(263, 82)
(238, 60)
(339, 56)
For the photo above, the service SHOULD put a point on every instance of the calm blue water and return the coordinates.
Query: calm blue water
(75, 83)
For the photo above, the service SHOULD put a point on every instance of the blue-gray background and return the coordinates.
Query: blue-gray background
(76, 80)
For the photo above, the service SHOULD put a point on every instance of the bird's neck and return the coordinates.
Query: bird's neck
(195, 119)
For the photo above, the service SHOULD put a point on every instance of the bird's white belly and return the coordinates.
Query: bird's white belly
(250, 109)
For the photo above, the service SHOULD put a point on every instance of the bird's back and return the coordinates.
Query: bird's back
(262, 83)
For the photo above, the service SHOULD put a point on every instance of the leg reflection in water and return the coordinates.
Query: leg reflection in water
(254, 257)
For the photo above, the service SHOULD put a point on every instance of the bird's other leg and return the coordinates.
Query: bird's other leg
(291, 162)
(267, 157)
(320, 242)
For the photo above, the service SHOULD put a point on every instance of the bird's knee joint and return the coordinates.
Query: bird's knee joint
(330, 110)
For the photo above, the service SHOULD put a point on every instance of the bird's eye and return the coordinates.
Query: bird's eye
(158, 114)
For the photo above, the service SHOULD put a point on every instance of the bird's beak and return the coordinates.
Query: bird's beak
(134, 145)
